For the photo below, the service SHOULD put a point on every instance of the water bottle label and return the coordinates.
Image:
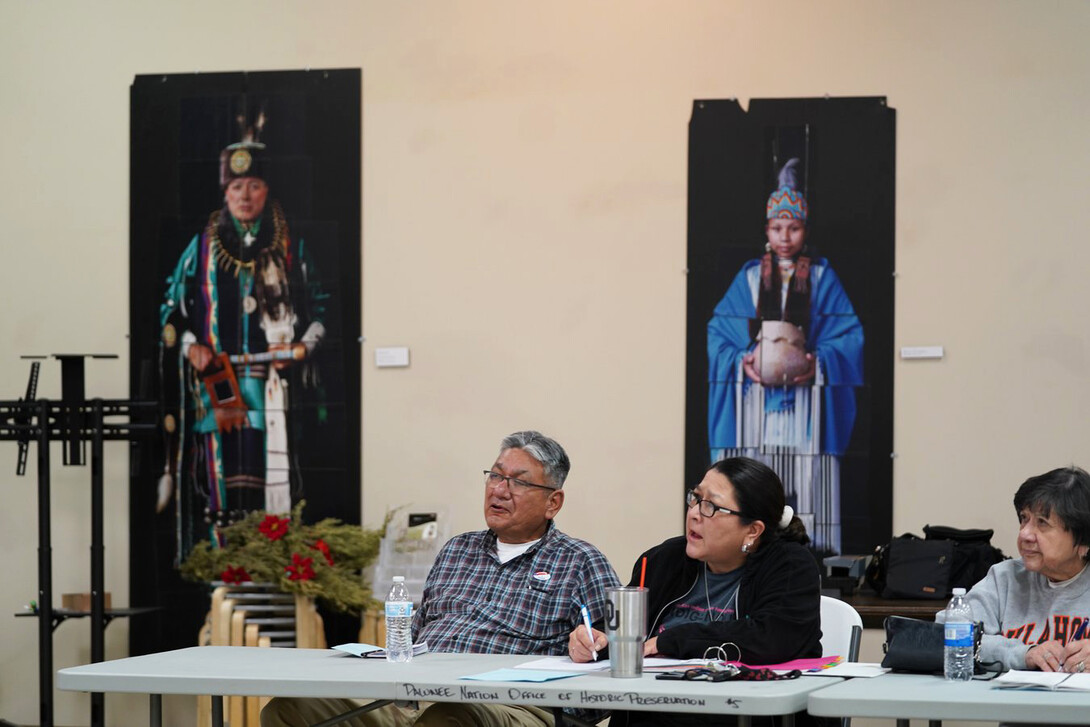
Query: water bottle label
(958, 635)
(399, 608)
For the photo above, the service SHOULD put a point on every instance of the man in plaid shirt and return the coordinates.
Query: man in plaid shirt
(515, 588)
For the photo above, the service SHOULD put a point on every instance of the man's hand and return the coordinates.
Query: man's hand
(298, 353)
(580, 648)
(651, 646)
(199, 356)
(229, 418)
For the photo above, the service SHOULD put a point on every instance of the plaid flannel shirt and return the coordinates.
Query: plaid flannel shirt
(528, 605)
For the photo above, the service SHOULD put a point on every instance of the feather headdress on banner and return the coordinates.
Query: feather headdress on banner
(787, 203)
(247, 157)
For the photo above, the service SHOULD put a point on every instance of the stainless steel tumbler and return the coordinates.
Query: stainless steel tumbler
(626, 629)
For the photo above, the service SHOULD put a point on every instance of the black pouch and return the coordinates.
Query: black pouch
(918, 568)
(948, 558)
(974, 553)
(912, 645)
(916, 646)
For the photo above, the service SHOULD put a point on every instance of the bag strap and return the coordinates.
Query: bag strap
(985, 667)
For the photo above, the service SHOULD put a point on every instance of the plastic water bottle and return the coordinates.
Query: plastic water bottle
(958, 639)
(399, 622)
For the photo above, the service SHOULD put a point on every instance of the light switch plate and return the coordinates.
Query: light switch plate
(921, 352)
(392, 356)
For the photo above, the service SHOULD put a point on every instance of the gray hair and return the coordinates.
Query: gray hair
(545, 450)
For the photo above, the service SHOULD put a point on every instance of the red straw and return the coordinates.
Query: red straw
(643, 570)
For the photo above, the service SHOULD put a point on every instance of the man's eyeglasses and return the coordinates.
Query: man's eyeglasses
(493, 479)
(707, 507)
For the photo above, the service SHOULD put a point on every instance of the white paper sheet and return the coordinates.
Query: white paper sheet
(564, 663)
(520, 675)
(862, 669)
(1058, 680)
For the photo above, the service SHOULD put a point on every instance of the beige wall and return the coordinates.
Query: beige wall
(524, 210)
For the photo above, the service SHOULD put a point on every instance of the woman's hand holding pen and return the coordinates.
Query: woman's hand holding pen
(1046, 656)
(1077, 656)
(580, 648)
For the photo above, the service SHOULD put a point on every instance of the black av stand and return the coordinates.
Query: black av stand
(75, 421)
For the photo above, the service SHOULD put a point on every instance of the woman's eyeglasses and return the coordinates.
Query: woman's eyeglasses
(707, 507)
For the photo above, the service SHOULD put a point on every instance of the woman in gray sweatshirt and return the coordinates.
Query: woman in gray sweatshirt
(1036, 609)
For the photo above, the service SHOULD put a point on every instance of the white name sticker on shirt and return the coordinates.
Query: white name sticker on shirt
(541, 576)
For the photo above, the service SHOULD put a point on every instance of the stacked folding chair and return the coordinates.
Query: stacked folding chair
(250, 614)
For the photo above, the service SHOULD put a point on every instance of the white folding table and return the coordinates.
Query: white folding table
(221, 671)
(922, 696)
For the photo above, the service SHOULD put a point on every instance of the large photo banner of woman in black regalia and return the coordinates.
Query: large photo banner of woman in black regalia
(790, 304)
(244, 279)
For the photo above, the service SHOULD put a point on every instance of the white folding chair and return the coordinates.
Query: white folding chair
(841, 631)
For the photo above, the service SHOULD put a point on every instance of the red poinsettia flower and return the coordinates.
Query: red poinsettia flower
(235, 575)
(301, 569)
(273, 527)
(323, 547)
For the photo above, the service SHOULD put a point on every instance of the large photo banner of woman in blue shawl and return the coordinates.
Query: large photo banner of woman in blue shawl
(244, 280)
(790, 304)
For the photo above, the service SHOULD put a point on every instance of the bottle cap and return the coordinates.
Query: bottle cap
(959, 591)
(401, 579)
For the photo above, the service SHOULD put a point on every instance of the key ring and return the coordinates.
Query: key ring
(714, 654)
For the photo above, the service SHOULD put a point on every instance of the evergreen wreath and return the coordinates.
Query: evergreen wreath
(323, 560)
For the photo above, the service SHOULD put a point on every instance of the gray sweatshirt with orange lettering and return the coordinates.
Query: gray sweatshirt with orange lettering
(1021, 608)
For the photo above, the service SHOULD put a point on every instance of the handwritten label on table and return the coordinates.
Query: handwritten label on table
(577, 697)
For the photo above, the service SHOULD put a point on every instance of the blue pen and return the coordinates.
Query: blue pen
(590, 632)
